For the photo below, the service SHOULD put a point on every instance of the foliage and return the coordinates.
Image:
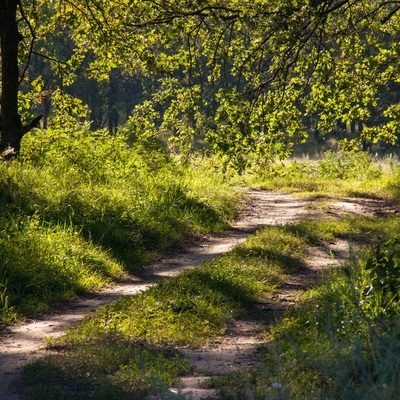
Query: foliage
(240, 78)
(382, 293)
(341, 165)
(346, 165)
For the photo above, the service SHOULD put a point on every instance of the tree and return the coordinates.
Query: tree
(242, 74)
(11, 128)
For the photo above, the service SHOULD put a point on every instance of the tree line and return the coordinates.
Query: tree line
(249, 79)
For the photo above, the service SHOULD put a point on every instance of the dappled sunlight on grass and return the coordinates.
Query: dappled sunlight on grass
(129, 349)
(80, 210)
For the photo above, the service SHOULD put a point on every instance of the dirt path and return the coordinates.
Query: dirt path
(21, 344)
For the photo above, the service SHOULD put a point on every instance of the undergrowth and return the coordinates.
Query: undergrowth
(343, 339)
(80, 208)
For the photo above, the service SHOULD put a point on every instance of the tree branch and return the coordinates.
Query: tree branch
(32, 31)
(33, 124)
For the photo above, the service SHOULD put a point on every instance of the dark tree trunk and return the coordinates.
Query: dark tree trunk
(10, 121)
(11, 128)
(113, 92)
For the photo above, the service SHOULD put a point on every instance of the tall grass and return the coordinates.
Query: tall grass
(341, 342)
(80, 208)
(335, 173)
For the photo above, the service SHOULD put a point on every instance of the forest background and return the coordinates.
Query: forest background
(244, 80)
(125, 125)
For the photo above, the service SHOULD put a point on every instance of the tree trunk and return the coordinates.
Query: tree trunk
(10, 121)
(11, 128)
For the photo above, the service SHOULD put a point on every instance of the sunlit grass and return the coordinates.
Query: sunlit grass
(80, 208)
(42, 264)
(335, 174)
(331, 346)
(130, 349)
(189, 310)
(197, 306)
(341, 340)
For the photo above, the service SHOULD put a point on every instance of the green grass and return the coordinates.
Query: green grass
(197, 306)
(79, 209)
(332, 345)
(190, 309)
(108, 368)
(342, 173)
(42, 265)
(342, 340)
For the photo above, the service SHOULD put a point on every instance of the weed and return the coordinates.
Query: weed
(383, 273)
(7, 314)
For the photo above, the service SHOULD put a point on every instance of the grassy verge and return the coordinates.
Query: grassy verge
(80, 209)
(330, 347)
(340, 173)
(343, 339)
(187, 310)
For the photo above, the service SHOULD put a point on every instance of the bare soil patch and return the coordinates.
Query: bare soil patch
(237, 349)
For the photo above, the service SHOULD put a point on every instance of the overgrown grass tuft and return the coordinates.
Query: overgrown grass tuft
(43, 264)
(80, 208)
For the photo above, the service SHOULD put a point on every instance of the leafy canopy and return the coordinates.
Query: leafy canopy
(240, 75)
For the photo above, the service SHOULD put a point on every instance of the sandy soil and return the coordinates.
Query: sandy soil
(238, 347)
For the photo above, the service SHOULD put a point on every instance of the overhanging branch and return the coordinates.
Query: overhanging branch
(33, 124)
